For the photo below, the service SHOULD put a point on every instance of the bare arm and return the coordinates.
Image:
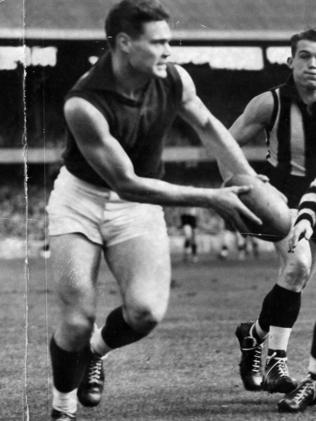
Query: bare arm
(252, 123)
(211, 131)
(110, 161)
(254, 120)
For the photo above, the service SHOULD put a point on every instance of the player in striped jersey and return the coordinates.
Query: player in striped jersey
(286, 116)
(305, 393)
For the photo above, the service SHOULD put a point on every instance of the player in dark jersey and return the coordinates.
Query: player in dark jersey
(287, 115)
(305, 393)
(107, 197)
(189, 224)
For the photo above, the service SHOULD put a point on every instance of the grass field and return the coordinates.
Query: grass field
(187, 370)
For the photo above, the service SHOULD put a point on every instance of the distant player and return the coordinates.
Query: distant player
(303, 231)
(287, 115)
(189, 225)
(107, 198)
(232, 240)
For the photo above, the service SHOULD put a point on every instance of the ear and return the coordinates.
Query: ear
(290, 62)
(123, 42)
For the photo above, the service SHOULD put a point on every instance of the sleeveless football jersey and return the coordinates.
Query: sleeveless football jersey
(292, 139)
(291, 143)
(138, 125)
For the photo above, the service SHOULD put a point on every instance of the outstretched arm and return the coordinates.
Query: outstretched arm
(216, 138)
(106, 156)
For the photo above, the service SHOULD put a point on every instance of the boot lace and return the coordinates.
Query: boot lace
(304, 391)
(95, 370)
(282, 367)
(256, 359)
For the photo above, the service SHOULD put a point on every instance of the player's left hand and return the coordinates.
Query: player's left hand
(302, 229)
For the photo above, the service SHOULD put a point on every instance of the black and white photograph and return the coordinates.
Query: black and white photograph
(158, 210)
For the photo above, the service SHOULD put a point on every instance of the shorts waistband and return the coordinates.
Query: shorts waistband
(66, 177)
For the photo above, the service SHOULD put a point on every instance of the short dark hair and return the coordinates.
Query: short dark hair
(129, 16)
(309, 34)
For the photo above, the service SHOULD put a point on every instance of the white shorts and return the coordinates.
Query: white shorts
(98, 213)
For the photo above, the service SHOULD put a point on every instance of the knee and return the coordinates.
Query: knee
(144, 317)
(295, 276)
(77, 328)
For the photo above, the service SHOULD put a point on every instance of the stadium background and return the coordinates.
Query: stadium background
(191, 362)
(232, 49)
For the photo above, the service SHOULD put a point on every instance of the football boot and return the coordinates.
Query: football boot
(91, 387)
(250, 366)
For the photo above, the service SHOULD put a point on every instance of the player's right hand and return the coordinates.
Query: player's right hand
(227, 203)
(302, 229)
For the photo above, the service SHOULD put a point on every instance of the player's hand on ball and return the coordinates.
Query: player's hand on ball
(230, 207)
(266, 202)
(302, 229)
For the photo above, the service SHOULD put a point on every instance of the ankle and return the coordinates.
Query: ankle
(276, 353)
(65, 402)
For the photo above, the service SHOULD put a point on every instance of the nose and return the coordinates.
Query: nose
(167, 49)
(313, 62)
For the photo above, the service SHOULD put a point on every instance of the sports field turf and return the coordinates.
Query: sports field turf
(187, 370)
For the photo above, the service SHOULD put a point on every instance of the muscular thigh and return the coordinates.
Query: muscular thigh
(74, 267)
(141, 267)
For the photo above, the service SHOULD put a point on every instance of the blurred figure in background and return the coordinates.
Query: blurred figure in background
(189, 221)
(232, 243)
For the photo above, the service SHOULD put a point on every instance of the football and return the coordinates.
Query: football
(265, 202)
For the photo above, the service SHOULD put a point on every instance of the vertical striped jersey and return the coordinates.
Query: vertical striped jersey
(292, 138)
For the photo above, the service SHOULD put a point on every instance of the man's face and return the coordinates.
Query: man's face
(150, 51)
(303, 64)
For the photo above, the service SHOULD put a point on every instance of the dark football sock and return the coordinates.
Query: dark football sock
(280, 308)
(278, 353)
(116, 332)
(68, 367)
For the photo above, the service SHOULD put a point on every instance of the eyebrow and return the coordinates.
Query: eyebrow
(160, 40)
(305, 51)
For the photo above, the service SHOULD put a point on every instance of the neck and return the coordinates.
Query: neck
(129, 81)
(307, 94)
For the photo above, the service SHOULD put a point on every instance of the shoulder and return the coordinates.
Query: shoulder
(80, 112)
(188, 86)
(262, 102)
(184, 76)
(76, 104)
(261, 107)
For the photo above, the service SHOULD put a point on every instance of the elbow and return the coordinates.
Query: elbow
(126, 187)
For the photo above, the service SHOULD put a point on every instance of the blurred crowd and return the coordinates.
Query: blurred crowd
(22, 213)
